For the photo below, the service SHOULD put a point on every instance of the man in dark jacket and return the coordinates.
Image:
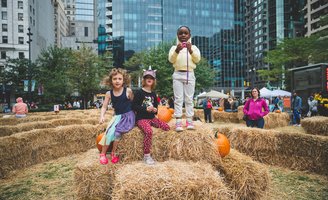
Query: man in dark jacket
(296, 107)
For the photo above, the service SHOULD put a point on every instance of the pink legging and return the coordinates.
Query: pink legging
(145, 126)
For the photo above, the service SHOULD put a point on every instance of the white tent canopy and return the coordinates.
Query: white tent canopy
(264, 92)
(213, 94)
(276, 93)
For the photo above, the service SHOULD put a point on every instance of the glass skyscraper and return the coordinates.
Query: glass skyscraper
(216, 28)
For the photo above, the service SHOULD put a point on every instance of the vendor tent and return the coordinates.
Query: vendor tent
(264, 92)
(283, 93)
(213, 94)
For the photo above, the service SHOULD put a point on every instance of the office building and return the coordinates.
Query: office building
(313, 11)
(83, 24)
(216, 28)
(61, 22)
(16, 18)
(266, 24)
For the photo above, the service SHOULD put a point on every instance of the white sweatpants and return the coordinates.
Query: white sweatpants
(183, 92)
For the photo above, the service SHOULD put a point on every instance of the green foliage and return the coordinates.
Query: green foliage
(86, 72)
(292, 53)
(157, 57)
(53, 65)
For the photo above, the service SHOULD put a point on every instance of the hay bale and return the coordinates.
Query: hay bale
(93, 180)
(274, 120)
(194, 145)
(25, 149)
(249, 179)
(222, 116)
(240, 113)
(292, 150)
(316, 125)
(169, 180)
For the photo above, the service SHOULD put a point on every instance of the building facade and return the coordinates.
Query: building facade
(83, 24)
(267, 23)
(216, 28)
(16, 17)
(315, 9)
(62, 25)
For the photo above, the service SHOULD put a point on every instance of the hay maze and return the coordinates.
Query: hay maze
(187, 167)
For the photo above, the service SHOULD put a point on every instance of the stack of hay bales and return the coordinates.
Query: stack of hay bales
(316, 125)
(28, 148)
(188, 167)
(286, 149)
(221, 116)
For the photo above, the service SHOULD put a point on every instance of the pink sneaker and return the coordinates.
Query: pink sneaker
(115, 159)
(190, 125)
(103, 159)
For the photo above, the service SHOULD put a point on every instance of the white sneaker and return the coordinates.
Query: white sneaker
(178, 127)
(149, 160)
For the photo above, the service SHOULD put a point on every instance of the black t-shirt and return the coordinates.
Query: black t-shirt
(141, 101)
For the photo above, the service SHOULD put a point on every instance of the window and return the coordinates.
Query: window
(4, 3)
(86, 31)
(5, 39)
(20, 4)
(20, 29)
(20, 16)
(4, 28)
(21, 55)
(20, 40)
(3, 55)
(4, 15)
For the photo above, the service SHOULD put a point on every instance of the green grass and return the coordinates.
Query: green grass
(287, 184)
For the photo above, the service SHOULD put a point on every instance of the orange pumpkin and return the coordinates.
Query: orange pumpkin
(171, 110)
(98, 140)
(220, 109)
(164, 114)
(223, 145)
(99, 147)
(278, 111)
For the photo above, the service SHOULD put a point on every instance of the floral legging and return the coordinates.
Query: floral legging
(145, 126)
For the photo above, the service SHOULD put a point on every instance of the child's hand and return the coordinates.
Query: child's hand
(179, 48)
(188, 45)
(101, 120)
(150, 108)
(154, 110)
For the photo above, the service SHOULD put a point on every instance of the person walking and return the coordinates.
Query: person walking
(296, 107)
(255, 109)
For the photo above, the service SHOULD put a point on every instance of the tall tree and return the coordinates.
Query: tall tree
(86, 72)
(52, 65)
(14, 73)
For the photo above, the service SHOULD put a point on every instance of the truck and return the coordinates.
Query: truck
(309, 80)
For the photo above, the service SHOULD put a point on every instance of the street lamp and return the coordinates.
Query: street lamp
(29, 64)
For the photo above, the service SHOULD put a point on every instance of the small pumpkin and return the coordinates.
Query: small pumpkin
(171, 110)
(98, 140)
(164, 114)
(223, 145)
(220, 109)
(278, 111)
(99, 146)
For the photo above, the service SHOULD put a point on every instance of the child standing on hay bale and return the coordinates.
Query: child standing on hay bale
(184, 57)
(145, 105)
(253, 110)
(20, 108)
(124, 119)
